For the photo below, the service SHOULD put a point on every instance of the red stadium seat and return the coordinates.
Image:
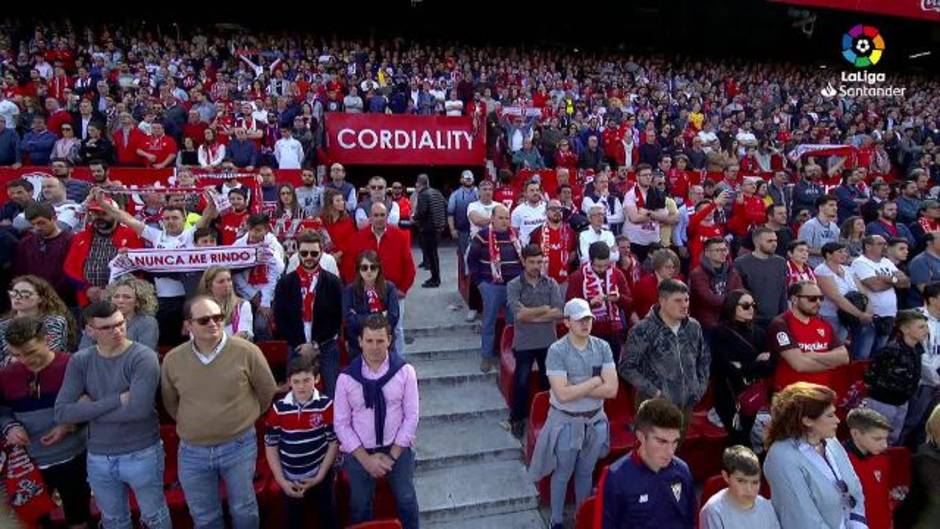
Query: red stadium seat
(712, 486)
(900, 458)
(584, 518)
(620, 415)
(702, 447)
(378, 524)
(507, 363)
(275, 351)
(716, 484)
(383, 505)
(538, 414)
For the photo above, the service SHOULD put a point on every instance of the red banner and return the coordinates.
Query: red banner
(380, 139)
(919, 9)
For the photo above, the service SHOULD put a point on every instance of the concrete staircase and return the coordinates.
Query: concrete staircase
(470, 473)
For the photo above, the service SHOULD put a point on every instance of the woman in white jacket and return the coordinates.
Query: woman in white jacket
(211, 152)
(812, 482)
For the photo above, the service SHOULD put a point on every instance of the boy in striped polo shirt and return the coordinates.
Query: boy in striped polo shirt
(301, 446)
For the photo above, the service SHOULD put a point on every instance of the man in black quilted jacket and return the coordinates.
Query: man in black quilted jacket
(430, 218)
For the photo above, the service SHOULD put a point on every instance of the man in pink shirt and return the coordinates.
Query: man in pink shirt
(376, 417)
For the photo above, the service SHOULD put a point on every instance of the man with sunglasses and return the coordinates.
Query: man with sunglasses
(307, 311)
(112, 386)
(804, 344)
(215, 387)
(28, 388)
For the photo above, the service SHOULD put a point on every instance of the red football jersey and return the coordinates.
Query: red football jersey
(816, 335)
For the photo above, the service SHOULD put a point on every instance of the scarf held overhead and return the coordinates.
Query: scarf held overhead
(157, 260)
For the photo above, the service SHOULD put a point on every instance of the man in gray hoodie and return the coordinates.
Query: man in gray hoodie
(666, 355)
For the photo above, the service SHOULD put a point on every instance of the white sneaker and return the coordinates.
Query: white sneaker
(471, 315)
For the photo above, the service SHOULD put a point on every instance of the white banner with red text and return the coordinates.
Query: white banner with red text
(164, 261)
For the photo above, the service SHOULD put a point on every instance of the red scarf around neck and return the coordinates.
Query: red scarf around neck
(595, 286)
(308, 286)
(494, 248)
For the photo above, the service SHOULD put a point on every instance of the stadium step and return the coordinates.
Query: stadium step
(531, 519)
(469, 441)
(450, 371)
(442, 330)
(450, 404)
(453, 344)
(474, 490)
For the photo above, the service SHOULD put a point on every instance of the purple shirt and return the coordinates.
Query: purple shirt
(355, 424)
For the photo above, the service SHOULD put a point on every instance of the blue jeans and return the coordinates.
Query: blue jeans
(570, 461)
(863, 337)
(329, 364)
(400, 329)
(142, 471)
(201, 468)
(494, 298)
(401, 479)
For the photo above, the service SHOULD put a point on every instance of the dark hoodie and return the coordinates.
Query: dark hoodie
(658, 359)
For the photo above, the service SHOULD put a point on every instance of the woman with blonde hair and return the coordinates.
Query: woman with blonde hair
(137, 301)
(813, 484)
(921, 507)
(216, 283)
(34, 296)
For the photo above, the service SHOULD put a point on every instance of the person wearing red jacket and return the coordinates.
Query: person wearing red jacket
(159, 150)
(710, 282)
(87, 263)
(127, 138)
(604, 286)
(565, 157)
(866, 447)
(504, 193)
(612, 138)
(665, 265)
(702, 226)
(393, 246)
(748, 212)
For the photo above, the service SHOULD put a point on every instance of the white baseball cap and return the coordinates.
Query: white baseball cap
(467, 175)
(578, 309)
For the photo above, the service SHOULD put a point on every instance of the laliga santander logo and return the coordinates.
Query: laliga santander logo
(862, 46)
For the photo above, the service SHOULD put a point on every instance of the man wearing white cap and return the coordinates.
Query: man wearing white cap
(457, 220)
(581, 373)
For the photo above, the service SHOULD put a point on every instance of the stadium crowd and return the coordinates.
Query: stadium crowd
(686, 231)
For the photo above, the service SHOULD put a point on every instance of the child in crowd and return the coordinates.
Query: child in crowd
(301, 446)
(740, 506)
(869, 439)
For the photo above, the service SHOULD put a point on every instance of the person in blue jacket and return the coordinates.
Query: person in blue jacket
(369, 293)
(650, 487)
(37, 144)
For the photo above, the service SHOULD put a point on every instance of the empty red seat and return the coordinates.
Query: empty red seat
(538, 414)
(275, 351)
(703, 446)
(584, 518)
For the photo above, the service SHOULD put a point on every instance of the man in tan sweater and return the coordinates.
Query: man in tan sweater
(216, 387)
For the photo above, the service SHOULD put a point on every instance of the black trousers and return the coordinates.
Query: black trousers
(70, 479)
(170, 320)
(428, 242)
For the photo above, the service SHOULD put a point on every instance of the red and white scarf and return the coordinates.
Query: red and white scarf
(593, 286)
(308, 285)
(375, 301)
(565, 238)
(928, 225)
(494, 249)
(794, 275)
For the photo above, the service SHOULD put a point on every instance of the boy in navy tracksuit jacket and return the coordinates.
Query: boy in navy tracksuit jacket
(650, 487)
